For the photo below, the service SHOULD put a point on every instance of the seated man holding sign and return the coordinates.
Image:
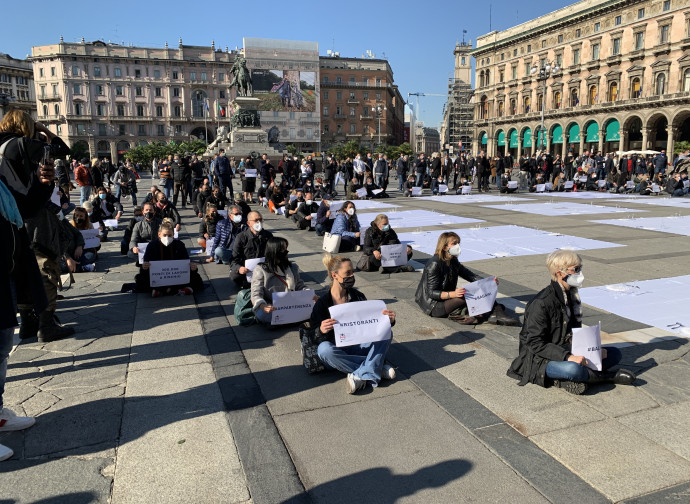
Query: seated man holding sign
(546, 340)
(143, 232)
(380, 235)
(278, 275)
(166, 249)
(249, 244)
(438, 294)
(363, 361)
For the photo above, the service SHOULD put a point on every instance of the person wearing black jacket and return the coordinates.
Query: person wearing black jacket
(165, 209)
(545, 356)
(329, 172)
(364, 364)
(304, 211)
(167, 248)
(420, 169)
(249, 244)
(378, 234)
(483, 172)
(401, 168)
(438, 294)
(324, 223)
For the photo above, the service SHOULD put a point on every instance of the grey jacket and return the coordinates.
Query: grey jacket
(144, 231)
(264, 284)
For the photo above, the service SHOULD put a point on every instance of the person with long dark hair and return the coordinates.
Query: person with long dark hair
(346, 225)
(276, 274)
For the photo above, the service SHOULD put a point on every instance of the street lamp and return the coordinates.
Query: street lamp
(542, 75)
(379, 112)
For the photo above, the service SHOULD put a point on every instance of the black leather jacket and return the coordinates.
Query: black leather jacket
(440, 277)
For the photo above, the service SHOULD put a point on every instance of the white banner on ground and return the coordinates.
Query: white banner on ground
(360, 322)
(416, 191)
(111, 223)
(481, 295)
(563, 208)
(142, 251)
(250, 173)
(393, 255)
(91, 239)
(587, 342)
(361, 192)
(250, 264)
(164, 273)
(416, 218)
(293, 306)
(210, 246)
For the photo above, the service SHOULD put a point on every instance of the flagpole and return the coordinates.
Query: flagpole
(205, 123)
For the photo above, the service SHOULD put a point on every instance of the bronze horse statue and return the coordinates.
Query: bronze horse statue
(241, 78)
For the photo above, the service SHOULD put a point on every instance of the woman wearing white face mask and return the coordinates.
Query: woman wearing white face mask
(438, 294)
(167, 248)
(545, 356)
(346, 225)
(378, 234)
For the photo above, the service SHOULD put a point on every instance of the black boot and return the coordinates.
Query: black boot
(29, 324)
(620, 377)
(498, 316)
(49, 328)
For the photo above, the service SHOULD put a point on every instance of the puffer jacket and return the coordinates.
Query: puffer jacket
(345, 226)
(439, 276)
(546, 336)
(208, 226)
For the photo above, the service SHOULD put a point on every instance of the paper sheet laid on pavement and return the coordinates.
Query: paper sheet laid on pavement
(481, 295)
(360, 322)
(292, 306)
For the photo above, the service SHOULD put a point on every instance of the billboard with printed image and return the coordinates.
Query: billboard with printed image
(285, 90)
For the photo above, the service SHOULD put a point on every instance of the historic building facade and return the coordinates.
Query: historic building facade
(609, 76)
(458, 112)
(427, 140)
(358, 94)
(16, 85)
(113, 97)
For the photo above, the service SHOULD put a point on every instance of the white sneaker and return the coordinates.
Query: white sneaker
(354, 383)
(388, 372)
(9, 421)
(5, 452)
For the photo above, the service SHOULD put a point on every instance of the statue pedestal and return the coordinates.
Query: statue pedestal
(245, 103)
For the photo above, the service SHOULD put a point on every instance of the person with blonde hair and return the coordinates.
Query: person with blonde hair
(545, 354)
(378, 234)
(438, 294)
(365, 363)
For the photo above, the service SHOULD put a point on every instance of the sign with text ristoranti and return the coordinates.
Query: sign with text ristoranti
(393, 255)
(164, 273)
(360, 322)
(292, 306)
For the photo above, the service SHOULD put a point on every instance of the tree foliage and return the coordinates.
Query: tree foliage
(144, 154)
(681, 147)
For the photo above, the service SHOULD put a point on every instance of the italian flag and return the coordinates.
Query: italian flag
(221, 110)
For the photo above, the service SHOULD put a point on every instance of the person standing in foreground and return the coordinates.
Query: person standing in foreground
(363, 363)
(545, 356)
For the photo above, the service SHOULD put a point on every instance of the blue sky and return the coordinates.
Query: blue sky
(417, 38)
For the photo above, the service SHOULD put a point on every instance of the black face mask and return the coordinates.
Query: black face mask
(282, 256)
(348, 282)
(149, 215)
(80, 220)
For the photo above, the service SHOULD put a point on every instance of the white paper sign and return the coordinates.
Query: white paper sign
(686, 183)
(583, 178)
(91, 239)
(361, 192)
(549, 186)
(377, 191)
(55, 197)
(176, 235)
(393, 255)
(512, 184)
(416, 191)
(656, 188)
(466, 189)
(335, 206)
(630, 184)
(210, 246)
(224, 213)
(250, 264)
(164, 273)
(601, 183)
(111, 223)
(568, 184)
(541, 187)
(442, 188)
(313, 219)
(142, 251)
(250, 173)
(293, 197)
(360, 322)
(481, 295)
(293, 306)
(587, 342)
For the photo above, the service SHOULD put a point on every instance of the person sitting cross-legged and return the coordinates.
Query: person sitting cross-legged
(378, 234)
(545, 353)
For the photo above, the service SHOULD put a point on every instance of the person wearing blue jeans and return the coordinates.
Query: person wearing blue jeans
(364, 364)
(545, 353)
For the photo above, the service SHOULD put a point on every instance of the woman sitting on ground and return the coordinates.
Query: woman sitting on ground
(438, 294)
(346, 225)
(207, 227)
(363, 363)
(545, 356)
(276, 274)
(167, 248)
(77, 258)
(276, 203)
(378, 234)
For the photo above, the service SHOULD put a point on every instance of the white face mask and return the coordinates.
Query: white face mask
(575, 280)
(350, 211)
(308, 202)
(455, 250)
(257, 227)
(237, 218)
(167, 240)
